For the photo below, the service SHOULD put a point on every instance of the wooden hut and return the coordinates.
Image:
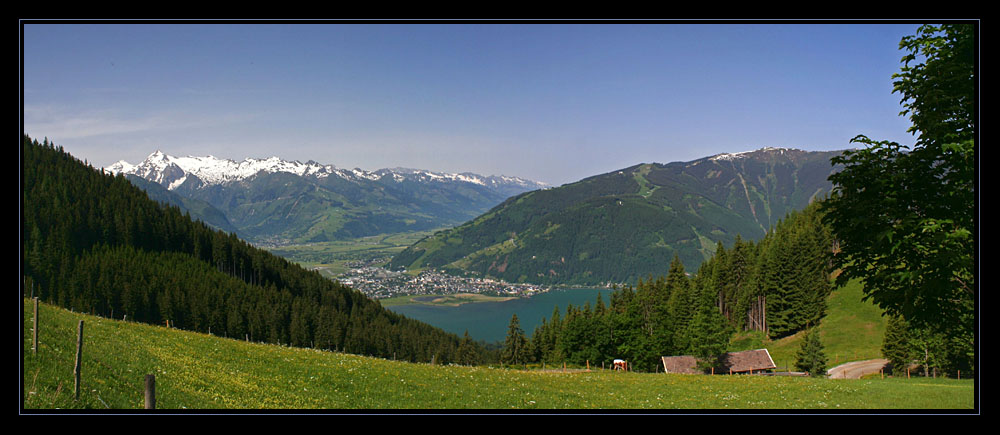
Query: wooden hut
(748, 361)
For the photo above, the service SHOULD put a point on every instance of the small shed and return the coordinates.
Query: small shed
(748, 361)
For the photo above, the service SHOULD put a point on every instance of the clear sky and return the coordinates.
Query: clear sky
(549, 102)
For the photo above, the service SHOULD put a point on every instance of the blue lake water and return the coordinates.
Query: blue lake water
(489, 321)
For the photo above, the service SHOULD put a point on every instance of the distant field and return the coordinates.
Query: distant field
(451, 300)
(198, 371)
(330, 258)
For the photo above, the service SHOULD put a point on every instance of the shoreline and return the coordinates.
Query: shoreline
(459, 299)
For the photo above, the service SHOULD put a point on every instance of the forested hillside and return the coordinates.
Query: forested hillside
(778, 285)
(199, 210)
(627, 224)
(95, 243)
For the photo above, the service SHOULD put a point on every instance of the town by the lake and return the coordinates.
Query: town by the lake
(380, 283)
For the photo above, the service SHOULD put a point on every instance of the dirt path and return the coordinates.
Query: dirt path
(857, 369)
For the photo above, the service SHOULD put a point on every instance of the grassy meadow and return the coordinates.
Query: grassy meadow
(852, 330)
(201, 372)
(330, 258)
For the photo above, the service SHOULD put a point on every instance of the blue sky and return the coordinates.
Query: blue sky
(550, 102)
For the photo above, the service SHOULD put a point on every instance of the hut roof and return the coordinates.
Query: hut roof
(745, 361)
(681, 364)
(759, 359)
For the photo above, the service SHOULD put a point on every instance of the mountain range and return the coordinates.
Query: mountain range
(274, 201)
(629, 224)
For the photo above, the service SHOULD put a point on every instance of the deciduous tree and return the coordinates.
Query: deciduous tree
(904, 216)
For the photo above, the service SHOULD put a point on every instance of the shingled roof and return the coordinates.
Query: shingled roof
(745, 361)
(681, 364)
(735, 362)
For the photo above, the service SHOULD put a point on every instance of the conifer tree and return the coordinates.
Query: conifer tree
(811, 358)
(708, 332)
(515, 347)
(467, 351)
(679, 304)
(896, 346)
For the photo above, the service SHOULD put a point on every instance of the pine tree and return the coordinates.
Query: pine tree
(515, 347)
(897, 346)
(679, 304)
(708, 332)
(467, 351)
(811, 358)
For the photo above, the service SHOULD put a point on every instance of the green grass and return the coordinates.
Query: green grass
(851, 331)
(198, 371)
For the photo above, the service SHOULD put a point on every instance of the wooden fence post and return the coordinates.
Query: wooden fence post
(79, 361)
(34, 333)
(150, 392)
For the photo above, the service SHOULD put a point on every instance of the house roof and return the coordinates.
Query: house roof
(744, 361)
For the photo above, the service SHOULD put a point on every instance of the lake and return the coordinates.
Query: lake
(488, 321)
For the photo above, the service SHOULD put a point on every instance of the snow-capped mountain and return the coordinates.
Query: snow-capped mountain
(765, 153)
(274, 201)
(171, 172)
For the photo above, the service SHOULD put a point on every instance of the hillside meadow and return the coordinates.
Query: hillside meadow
(202, 372)
(852, 330)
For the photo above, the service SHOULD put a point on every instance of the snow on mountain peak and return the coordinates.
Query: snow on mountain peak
(741, 154)
(171, 171)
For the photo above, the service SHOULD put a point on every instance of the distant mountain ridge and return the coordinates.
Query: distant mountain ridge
(172, 172)
(275, 201)
(627, 224)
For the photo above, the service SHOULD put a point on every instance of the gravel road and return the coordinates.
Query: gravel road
(857, 369)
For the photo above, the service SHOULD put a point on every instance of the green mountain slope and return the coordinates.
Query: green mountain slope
(199, 210)
(281, 208)
(277, 202)
(95, 243)
(627, 224)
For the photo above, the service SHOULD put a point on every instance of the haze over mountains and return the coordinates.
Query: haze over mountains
(273, 201)
(628, 224)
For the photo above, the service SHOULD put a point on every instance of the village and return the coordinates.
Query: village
(379, 283)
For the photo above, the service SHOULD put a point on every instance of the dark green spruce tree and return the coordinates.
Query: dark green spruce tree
(515, 346)
(708, 332)
(811, 358)
(467, 354)
(897, 346)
